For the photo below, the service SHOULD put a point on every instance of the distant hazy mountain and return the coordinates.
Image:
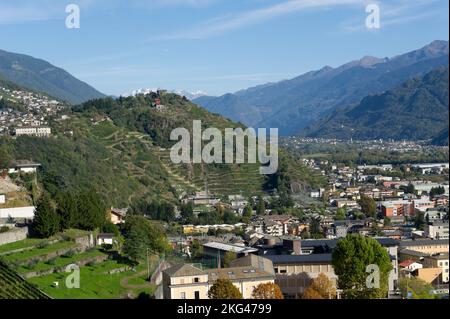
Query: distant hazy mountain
(39, 75)
(294, 104)
(416, 110)
(189, 95)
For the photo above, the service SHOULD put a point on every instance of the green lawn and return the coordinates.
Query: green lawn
(95, 283)
(35, 252)
(60, 261)
(29, 242)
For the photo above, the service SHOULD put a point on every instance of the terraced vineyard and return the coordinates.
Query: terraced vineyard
(12, 286)
(121, 149)
(220, 179)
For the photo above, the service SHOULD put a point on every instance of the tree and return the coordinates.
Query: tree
(321, 287)
(229, 217)
(436, 191)
(228, 258)
(311, 294)
(419, 220)
(248, 211)
(314, 229)
(368, 206)
(354, 259)
(261, 209)
(91, 213)
(140, 235)
(417, 288)
(196, 250)
(187, 212)
(111, 228)
(267, 291)
(46, 221)
(224, 289)
(409, 189)
(67, 209)
(340, 214)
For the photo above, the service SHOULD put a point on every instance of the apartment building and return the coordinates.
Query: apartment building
(187, 281)
(426, 246)
(437, 230)
(294, 273)
(438, 261)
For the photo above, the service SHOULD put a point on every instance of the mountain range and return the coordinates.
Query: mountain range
(415, 110)
(39, 75)
(291, 105)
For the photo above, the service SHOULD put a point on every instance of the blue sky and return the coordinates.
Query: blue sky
(215, 46)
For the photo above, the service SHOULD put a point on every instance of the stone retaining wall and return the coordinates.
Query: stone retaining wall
(52, 270)
(14, 235)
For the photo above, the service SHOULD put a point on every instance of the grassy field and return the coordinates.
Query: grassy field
(96, 283)
(37, 252)
(26, 243)
(60, 261)
(106, 279)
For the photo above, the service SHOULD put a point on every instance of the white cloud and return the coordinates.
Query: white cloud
(220, 25)
(19, 11)
(397, 12)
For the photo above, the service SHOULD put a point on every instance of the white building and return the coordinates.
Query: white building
(18, 212)
(437, 230)
(39, 131)
(23, 167)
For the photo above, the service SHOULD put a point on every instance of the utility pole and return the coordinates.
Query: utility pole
(148, 266)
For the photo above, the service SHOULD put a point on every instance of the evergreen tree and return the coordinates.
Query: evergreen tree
(340, 214)
(91, 214)
(248, 211)
(46, 220)
(261, 210)
(187, 212)
(67, 209)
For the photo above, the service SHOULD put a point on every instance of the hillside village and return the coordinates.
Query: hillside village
(23, 112)
(262, 239)
(92, 187)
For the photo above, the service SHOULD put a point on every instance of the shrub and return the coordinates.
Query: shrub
(42, 244)
(14, 265)
(91, 249)
(4, 229)
(30, 264)
(69, 254)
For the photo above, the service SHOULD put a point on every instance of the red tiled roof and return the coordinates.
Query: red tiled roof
(406, 263)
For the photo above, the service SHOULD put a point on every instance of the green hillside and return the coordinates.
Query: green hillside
(120, 149)
(39, 75)
(416, 110)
